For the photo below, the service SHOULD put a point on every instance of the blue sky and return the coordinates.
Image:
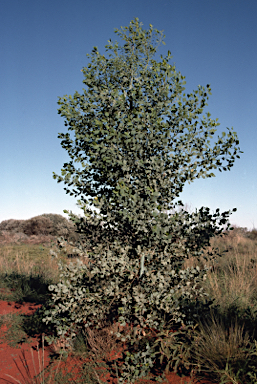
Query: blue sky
(43, 49)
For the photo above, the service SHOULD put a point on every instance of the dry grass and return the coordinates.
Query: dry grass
(234, 276)
(237, 281)
(222, 350)
(103, 341)
(29, 377)
(31, 259)
(17, 260)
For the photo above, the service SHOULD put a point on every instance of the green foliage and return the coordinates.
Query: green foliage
(129, 124)
(110, 289)
(138, 138)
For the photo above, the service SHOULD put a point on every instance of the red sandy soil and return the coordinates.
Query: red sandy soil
(9, 355)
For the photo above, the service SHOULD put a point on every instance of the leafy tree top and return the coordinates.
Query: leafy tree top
(138, 136)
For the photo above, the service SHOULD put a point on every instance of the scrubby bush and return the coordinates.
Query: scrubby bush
(12, 225)
(144, 139)
(48, 224)
(236, 232)
(252, 234)
(38, 225)
(61, 226)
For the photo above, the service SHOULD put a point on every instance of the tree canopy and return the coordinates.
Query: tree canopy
(138, 137)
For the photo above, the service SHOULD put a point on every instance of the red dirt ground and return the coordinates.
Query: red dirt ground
(10, 354)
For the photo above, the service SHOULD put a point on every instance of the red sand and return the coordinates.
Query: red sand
(8, 354)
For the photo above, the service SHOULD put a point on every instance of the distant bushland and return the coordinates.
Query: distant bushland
(48, 224)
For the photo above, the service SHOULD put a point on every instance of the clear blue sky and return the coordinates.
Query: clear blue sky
(43, 49)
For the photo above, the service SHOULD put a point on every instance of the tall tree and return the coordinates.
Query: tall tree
(139, 138)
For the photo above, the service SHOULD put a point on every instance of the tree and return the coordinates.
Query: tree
(138, 138)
